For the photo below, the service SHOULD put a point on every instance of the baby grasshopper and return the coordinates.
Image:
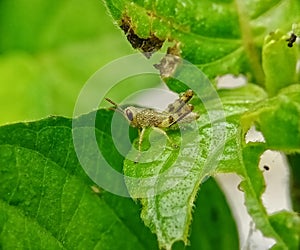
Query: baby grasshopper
(143, 118)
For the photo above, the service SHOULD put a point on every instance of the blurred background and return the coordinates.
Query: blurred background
(49, 49)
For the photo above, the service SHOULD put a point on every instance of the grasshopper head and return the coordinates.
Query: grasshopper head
(129, 112)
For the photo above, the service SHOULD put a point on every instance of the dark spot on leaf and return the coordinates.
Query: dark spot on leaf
(125, 26)
(291, 40)
(266, 167)
(147, 45)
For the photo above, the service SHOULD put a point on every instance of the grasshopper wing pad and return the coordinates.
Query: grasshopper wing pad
(180, 109)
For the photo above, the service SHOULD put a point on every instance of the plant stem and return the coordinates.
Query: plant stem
(251, 50)
(294, 162)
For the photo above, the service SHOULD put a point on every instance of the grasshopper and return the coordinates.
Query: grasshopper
(143, 118)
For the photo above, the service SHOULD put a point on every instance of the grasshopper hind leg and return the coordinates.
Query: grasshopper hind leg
(162, 132)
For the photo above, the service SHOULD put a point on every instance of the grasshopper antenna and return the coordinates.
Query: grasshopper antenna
(115, 107)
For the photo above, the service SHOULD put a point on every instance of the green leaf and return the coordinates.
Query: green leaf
(46, 199)
(278, 57)
(253, 186)
(287, 224)
(168, 183)
(211, 210)
(220, 37)
(48, 50)
(178, 172)
(294, 162)
(279, 116)
(14, 226)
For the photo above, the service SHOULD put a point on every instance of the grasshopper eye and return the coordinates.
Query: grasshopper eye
(129, 114)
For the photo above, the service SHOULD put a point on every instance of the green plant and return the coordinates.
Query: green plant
(48, 201)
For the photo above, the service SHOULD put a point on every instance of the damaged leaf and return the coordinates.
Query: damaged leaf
(147, 45)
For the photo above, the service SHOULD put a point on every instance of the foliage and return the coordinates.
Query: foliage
(48, 201)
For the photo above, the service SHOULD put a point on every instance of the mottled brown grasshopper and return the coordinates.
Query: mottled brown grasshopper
(142, 118)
